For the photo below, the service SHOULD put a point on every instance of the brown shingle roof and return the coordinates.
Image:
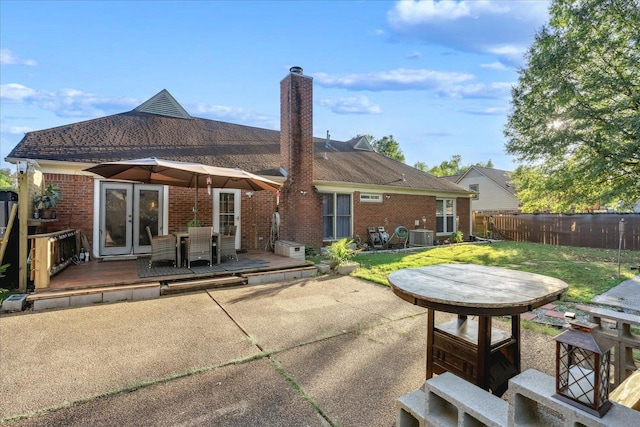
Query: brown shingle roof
(136, 134)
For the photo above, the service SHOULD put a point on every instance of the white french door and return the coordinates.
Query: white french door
(226, 211)
(126, 209)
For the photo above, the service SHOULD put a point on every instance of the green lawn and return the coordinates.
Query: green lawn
(588, 272)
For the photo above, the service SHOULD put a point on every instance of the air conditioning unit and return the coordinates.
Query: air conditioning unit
(420, 237)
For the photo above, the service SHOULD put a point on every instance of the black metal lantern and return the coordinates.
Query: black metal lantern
(582, 369)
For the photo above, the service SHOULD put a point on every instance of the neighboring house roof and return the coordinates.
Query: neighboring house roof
(161, 128)
(499, 177)
(452, 178)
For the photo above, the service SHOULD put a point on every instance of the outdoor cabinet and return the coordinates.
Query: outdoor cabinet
(454, 348)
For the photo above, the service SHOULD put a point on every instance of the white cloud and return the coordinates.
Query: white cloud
(450, 85)
(497, 65)
(398, 79)
(501, 28)
(351, 105)
(7, 57)
(413, 12)
(478, 90)
(16, 92)
(66, 102)
(233, 114)
(19, 130)
(490, 111)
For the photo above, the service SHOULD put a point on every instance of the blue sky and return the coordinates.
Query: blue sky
(435, 75)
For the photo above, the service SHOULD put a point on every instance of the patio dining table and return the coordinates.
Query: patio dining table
(485, 356)
(181, 236)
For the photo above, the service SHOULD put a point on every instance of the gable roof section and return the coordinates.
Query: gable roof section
(498, 176)
(360, 143)
(139, 133)
(163, 104)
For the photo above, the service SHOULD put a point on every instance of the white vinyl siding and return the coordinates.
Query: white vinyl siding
(492, 197)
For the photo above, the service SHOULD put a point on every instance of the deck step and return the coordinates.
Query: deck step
(197, 285)
(88, 296)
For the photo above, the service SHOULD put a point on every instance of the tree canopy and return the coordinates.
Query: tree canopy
(450, 167)
(7, 180)
(575, 118)
(387, 146)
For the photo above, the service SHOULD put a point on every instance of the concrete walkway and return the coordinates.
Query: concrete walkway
(625, 296)
(331, 350)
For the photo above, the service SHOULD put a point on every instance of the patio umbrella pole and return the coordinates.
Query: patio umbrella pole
(195, 208)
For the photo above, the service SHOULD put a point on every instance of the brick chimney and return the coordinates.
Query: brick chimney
(300, 205)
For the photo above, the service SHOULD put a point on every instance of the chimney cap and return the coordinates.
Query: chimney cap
(296, 69)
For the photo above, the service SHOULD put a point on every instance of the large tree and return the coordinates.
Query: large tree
(7, 180)
(575, 119)
(387, 146)
(450, 167)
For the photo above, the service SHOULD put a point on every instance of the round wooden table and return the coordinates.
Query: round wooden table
(476, 352)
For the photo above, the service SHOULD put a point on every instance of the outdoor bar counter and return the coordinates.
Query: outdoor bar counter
(475, 351)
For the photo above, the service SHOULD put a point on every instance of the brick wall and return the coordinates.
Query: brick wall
(300, 205)
(181, 203)
(75, 209)
(463, 210)
(398, 210)
(389, 215)
(255, 225)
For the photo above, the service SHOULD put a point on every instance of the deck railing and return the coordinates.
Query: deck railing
(51, 253)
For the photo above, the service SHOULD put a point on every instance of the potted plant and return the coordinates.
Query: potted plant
(341, 252)
(45, 202)
(193, 223)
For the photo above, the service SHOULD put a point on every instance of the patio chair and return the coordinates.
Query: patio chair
(199, 245)
(163, 248)
(227, 244)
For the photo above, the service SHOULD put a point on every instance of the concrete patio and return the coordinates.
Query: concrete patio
(330, 350)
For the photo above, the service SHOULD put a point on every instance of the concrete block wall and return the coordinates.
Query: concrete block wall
(66, 299)
(451, 401)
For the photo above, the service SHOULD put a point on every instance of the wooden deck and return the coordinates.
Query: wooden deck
(100, 273)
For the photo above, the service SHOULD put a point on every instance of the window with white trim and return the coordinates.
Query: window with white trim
(445, 215)
(476, 189)
(336, 216)
(370, 198)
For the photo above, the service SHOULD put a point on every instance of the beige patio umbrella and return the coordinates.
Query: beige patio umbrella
(182, 174)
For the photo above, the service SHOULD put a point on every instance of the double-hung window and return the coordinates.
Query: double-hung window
(445, 215)
(476, 189)
(336, 216)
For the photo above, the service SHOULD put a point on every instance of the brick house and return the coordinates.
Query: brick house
(330, 189)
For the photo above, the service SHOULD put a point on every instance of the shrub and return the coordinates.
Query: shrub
(456, 237)
(342, 251)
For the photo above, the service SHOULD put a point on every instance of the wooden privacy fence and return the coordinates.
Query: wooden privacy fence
(584, 230)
